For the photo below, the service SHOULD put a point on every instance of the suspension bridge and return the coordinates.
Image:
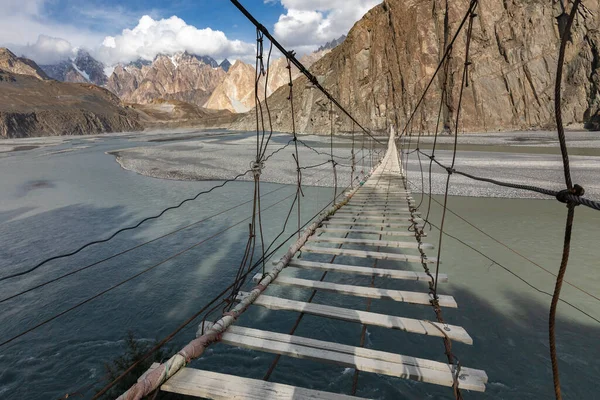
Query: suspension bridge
(373, 220)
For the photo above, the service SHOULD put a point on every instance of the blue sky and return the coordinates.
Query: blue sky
(125, 30)
(217, 14)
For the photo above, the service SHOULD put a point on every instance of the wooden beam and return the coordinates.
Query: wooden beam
(369, 242)
(374, 225)
(362, 291)
(216, 386)
(372, 217)
(367, 254)
(352, 269)
(367, 232)
(469, 376)
(411, 325)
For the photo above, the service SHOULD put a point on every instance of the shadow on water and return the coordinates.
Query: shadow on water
(70, 351)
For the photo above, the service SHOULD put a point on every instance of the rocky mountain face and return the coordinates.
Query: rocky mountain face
(9, 62)
(333, 44)
(48, 107)
(237, 91)
(380, 71)
(64, 71)
(91, 69)
(225, 64)
(182, 77)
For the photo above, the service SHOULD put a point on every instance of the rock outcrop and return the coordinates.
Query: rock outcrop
(380, 71)
(47, 107)
(64, 71)
(182, 77)
(92, 69)
(9, 62)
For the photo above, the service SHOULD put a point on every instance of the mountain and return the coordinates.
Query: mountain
(225, 64)
(333, 44)
(64, 71)
(47, 107)
(9, 62)
(236, 92)
(91, 69)
(182, 76)
(379, 72)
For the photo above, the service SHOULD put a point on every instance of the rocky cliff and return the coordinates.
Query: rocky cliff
(31, 104)
(9, 62)
(381, 69)
(182, 77)
(64, 71)
(236, 92)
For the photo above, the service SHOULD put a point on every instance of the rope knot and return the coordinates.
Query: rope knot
(257, 167)
(564, 196)
(450, 170)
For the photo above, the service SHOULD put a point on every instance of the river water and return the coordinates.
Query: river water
(55, 198)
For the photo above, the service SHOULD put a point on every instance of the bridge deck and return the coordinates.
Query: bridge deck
(379, 213)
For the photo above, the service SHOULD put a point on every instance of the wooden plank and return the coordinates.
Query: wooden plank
(366, 254)
(470, 374)
(362, 291)
(217, 386)
(367, 232)
(372, 217)
(367, 211)
(410, 325)
(369, 242)
(374, 225)
(352, 269)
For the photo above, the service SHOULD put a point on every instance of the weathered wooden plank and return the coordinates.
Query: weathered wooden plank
(369, 224)
(370, 242)
(352, 269)
(392, 218)
(367, 254)
(362, 291)
(217, 386)
(368, 211)
(368, 232)
(470, 374)
(411, 325)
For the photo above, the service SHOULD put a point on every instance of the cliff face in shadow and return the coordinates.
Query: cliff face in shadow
(382, 68)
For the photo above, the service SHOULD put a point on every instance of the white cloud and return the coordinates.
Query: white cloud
(311, 23)
(151, 37)
(46, 50)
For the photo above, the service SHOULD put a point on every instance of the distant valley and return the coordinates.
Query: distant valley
(76, 96)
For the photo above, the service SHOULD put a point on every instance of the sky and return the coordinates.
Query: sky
(121, 31)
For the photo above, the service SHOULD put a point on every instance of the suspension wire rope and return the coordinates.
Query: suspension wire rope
(296, 156)
(130, 249)
(509, 248)
(47, 260)
(564, 196)
(292, 57)
(119, 284)
(575, 190)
